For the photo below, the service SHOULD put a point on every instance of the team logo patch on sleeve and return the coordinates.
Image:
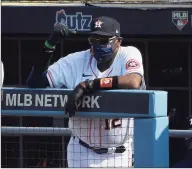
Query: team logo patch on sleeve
(106, 83)
(132, 64)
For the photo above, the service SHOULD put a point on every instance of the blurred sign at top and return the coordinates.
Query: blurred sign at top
(104, 1)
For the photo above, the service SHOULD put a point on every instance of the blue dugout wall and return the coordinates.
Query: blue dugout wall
(149, 108)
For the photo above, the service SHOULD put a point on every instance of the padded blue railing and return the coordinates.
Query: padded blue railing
(149, 109)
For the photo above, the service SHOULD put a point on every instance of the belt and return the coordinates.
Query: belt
(98, 150)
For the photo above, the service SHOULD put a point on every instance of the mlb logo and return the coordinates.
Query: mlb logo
(180, 18)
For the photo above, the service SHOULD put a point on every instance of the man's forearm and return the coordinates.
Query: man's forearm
(131, 81)
(37, 77)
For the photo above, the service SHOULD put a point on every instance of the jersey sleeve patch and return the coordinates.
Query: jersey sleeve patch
(132, 64)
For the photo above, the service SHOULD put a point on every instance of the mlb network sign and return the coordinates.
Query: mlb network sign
(78, 21)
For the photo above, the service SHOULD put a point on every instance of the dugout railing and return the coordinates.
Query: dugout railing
(149, 109)
(150, 120)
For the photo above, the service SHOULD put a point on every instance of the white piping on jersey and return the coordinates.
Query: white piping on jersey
(51, 78)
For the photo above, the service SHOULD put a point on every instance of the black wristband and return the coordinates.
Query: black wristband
(107, 83)
(48, 45)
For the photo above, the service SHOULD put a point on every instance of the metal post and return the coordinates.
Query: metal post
(63, 152)
(19, 63)
(20, 146)
(190, 76)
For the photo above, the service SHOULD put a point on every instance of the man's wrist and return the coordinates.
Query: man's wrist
(106, 83)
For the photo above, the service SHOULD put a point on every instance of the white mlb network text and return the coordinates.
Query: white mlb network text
(107, 133)
(48, 100)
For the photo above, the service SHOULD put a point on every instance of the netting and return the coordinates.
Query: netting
(33, 152)
(33, 147)
(101, 143)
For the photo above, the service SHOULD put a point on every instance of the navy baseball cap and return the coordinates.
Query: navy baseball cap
(105, 26)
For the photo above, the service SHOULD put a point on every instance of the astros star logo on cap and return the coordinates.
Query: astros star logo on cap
(98, 24)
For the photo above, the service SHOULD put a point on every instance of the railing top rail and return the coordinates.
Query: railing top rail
(114, 103)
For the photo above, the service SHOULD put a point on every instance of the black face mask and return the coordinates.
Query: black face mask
(103, 53)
